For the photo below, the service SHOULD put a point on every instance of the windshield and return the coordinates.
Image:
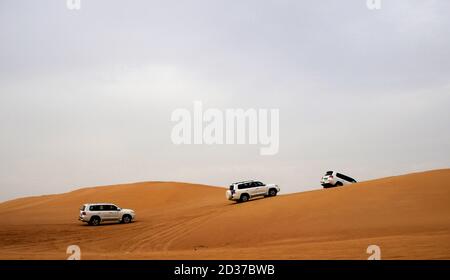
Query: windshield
(329, 173)
(231, 187)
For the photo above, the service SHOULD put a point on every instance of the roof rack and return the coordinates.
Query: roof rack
(248, 181)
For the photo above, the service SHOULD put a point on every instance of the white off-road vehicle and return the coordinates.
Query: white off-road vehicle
(96, 213)
(243, 191)
(333, 179)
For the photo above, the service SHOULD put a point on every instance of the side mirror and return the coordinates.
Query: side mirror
(119, 209)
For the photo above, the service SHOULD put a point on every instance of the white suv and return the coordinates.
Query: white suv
(334, 179)
(243, 191)
(96, 213)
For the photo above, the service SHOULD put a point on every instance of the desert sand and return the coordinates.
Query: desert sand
(407, 216)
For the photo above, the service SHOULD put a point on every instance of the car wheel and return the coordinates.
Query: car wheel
(95, 221)
(244, 198)
(338, 184)
(126, 219)
(272, 192)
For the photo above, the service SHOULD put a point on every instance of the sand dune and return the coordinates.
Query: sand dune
(408, 216)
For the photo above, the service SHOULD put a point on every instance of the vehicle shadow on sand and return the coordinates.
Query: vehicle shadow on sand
(108, 224)
(234, 203)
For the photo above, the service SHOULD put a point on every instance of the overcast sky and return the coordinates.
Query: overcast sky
(86, 96)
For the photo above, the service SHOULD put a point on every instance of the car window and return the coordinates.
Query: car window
(344, 177)
(113, 208)
(82, 208)
(244, 186)
(105, 207)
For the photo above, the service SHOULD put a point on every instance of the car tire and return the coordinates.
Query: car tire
(338, 184)
(272, 192)
(126, 219)
(95, 221)
(244, 198)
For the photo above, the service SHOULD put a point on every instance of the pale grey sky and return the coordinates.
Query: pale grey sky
(86, 95)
